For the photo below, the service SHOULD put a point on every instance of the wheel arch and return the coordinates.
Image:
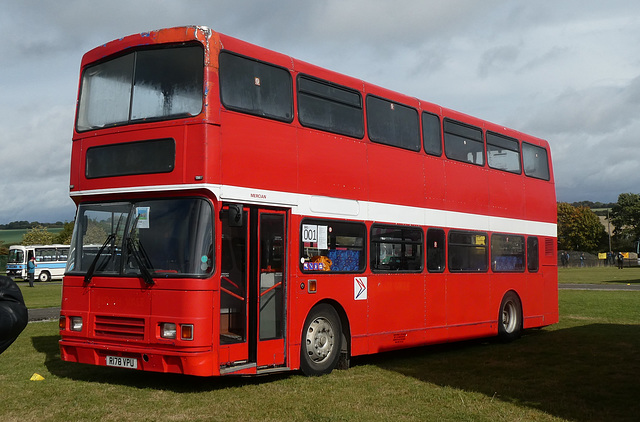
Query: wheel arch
(515, 292)
(510, 293)
(43, 276)
(345, 352)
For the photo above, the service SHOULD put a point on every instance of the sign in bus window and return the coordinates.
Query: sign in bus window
(142, 216)
(332, 246)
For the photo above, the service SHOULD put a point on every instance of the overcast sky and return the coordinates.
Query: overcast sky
(565, 71)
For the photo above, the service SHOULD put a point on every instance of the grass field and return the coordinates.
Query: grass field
(14, 236)
(583, 369)
(599, 275)
(43, 295)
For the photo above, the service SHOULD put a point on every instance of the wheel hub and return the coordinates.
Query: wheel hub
(320, 340)
(509, 319)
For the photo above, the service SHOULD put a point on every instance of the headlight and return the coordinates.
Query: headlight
(75, 323)
(168, 330)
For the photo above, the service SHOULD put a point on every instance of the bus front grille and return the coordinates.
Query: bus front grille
(119, 327)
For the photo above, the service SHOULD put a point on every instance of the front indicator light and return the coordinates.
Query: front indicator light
(186, 332)
(168, 330)
(62, 323)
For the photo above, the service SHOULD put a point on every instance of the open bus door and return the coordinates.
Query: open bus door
(252, 286)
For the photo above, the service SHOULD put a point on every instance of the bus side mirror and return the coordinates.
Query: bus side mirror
(85, 223)
(235, 215)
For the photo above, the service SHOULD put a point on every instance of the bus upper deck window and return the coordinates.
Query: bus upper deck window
(153, 84)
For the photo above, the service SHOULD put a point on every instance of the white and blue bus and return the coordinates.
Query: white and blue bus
(51, 261)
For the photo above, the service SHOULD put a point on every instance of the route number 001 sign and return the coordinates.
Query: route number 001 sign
(312, 233)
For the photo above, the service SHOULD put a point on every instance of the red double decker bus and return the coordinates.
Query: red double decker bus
(243, 212)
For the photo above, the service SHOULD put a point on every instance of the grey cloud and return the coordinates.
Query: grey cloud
(595, 110)
(566, 71)
(499, 59)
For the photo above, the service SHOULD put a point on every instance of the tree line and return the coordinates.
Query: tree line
(21, 225)
(593, 205)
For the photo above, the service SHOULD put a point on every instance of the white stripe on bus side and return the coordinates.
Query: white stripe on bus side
(328, 207)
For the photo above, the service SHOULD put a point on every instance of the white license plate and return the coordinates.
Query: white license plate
(120, 362)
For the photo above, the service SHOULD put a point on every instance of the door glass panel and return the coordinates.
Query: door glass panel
(233, 283)
(271, 273)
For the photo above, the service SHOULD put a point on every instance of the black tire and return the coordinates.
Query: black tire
(321, 341)
(44, 276)
(510, 317)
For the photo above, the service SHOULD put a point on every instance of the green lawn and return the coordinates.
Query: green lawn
(599, 275)
(43, 295)
(14, 236)
(583, 369)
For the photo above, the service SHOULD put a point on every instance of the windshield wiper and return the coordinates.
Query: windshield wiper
(139, 255)
(92, 267)
(142, 260)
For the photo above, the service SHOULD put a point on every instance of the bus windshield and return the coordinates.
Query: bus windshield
(142, 85)
(16, 256)
(162, 238)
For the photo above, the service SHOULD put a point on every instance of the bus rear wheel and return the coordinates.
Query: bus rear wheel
(44, 276)
(321, 341)
(510, 317)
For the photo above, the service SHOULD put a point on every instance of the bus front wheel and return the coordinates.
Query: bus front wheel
(321, 341)
(44, 276)
(510, 317)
